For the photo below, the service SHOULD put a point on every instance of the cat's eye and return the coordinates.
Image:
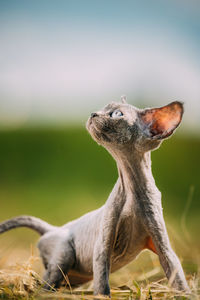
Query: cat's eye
(116, 113)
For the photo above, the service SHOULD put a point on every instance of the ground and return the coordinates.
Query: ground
(21, 278)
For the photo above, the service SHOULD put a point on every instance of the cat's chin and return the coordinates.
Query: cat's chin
(92, 131)
(88, 123)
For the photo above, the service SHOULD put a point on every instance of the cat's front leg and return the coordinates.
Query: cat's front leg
(105, 240)
(171, 265)
(173, 269)
(101, 269)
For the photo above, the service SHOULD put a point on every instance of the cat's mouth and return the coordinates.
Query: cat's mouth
(94, 127)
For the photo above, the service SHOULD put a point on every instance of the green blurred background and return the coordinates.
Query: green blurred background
(60, 173)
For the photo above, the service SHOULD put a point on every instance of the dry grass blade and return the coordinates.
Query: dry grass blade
(149, 274)
(19, 280)
(66, 279)
(185, 212)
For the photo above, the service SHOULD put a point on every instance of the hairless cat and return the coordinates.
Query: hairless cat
(104, 240)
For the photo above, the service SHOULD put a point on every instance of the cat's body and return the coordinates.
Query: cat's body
(130, 239)
(131, 220)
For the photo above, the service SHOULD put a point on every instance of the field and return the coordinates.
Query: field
(58, 174)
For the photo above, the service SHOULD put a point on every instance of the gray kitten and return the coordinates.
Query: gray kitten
(131, 220)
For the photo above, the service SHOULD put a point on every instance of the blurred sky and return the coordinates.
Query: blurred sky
(60, 60)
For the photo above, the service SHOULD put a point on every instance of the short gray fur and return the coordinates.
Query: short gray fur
(108, 238)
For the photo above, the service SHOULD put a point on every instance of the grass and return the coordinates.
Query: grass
(21, 281)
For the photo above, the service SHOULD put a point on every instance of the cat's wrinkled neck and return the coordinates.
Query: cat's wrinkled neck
(135, 174)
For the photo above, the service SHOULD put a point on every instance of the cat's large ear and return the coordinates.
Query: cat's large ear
(159, 123)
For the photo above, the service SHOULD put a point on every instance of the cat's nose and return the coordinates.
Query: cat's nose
(93, 115)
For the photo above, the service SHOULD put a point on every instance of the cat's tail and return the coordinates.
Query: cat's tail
(27, 221)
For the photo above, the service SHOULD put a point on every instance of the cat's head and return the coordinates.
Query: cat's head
(120, 125)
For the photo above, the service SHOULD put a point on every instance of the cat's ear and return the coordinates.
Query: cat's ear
(159, 123)
(123, 99)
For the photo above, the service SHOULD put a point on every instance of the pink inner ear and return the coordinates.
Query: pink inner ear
(161, 122)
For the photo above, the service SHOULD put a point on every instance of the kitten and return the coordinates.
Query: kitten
(131, 220)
